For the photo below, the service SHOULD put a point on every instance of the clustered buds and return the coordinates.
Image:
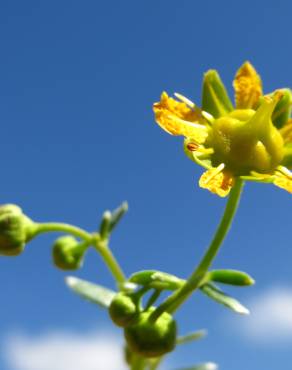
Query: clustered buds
(68, 253)
(144, 336)
(152, 339)
(16, 230)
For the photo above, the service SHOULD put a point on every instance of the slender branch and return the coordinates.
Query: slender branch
(111, 262)
(172, 303)
(93, 239)
(64, 228)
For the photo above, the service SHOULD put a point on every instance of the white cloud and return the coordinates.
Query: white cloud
(270, 320)
(64, 350)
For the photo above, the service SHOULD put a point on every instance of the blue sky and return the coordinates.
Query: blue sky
(77, 83)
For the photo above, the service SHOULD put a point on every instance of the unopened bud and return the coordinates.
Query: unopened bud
(15, 230)
(150, 339)
(68, 253)
(122, 310)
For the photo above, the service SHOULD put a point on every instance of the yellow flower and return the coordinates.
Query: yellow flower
(251, 140)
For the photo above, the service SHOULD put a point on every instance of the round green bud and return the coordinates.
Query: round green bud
(14, 230)
(151, 339)
(68, 253)
(122, 310)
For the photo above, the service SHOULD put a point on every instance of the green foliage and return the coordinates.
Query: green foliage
(123, 309)
(219, 296)
(231, 277)
(93, 293)
(15, 230)
(68, 253)
(156, 280)
(151, 339)
(282, 110)
(215, 99)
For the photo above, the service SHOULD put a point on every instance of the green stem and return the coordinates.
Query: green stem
(62, 227)
(172, 303)
(93, 239)
(138, 363)
(110, 260)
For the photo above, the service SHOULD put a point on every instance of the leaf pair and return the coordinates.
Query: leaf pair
(111, 219)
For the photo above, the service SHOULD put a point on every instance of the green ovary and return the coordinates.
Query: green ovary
(244, 144)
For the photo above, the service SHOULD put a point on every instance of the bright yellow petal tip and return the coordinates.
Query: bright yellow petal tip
(177, 118)
(217, 180)
(248, 87)
(283, 179)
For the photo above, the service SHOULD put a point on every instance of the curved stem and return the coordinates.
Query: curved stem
(62, 227)
(172, 303)
(111, 262)
(93, 239)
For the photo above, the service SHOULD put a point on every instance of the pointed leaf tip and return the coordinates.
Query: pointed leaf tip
(91, 292)
(213, 292)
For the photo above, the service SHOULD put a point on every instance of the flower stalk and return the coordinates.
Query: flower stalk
(174, 301)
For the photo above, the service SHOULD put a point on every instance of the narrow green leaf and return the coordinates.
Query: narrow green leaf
(191, 337)
(92, 292)
(231, 277)
(156, 280)
(205, 366)
(105, 224)
(117, 215)
(219, 296)
(215, 99)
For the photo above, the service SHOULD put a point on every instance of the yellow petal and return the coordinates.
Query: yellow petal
(283, 179)
(217, 180)
(248, 87)
(177, 118)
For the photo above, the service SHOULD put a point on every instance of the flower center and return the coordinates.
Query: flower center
(246, 141)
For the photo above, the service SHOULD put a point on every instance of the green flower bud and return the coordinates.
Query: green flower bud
(151, 339)
(15, 230)
(68, 253)
(122, 310)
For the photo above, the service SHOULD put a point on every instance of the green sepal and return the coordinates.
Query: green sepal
(104, 228)
(205, 366)
(156, 280)
(111, 219)
(282, 110)
(231, 277)
(205, 160)
(117, 215)
(287, 160)
(215, 99)
(191, 337)
(213, 292)
(93, 293)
